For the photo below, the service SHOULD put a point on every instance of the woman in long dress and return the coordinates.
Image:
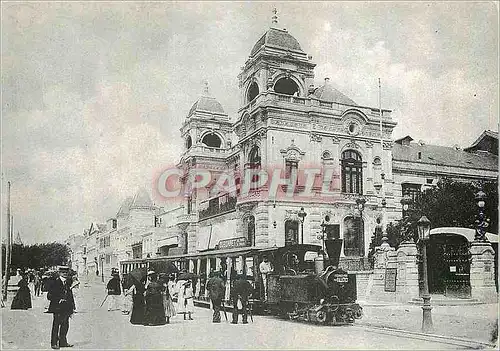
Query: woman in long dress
(167, 299)
(138, 304)
(155, 312)
(22, 300)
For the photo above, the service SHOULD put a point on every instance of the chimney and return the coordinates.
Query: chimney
(333, 248)
(327, 80)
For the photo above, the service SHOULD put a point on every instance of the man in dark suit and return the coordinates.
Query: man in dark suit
(62, 305)
(241, 291)
(216, 290)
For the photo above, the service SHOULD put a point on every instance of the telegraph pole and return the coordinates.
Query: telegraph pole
(7, 248)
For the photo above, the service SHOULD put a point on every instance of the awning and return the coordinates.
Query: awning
(222, 231)
(468, 233)
(204, 236)
(168, 241)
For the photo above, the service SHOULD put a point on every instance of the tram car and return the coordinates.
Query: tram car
(303, 290)
(305, 284)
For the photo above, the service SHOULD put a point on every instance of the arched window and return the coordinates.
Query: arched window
(254, 157)
(253, 91)
(212, 140)
(250, 230)
(286, 86)
(353, 237)
(189, 142)
(352, 172)
(291, 232)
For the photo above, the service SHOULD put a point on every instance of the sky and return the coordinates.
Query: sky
(94, 93)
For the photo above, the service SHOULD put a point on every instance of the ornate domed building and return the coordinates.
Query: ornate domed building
(299, 163)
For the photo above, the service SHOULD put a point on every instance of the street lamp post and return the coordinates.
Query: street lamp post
(481, 221)
(406, 234)
(360, 202)
(424, 228)
(383, 202)
(302, 215)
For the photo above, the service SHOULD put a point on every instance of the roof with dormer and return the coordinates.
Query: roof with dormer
(277, 38)
(443, 156)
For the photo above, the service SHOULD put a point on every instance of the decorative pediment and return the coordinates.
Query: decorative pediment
(292, 153)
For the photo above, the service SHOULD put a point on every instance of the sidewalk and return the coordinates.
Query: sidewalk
(474, 322)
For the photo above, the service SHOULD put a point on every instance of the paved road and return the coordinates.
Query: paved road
(96, 328)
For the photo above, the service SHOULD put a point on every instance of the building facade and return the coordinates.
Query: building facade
(296, 164)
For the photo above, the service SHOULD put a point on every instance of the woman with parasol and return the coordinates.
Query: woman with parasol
(137, 276)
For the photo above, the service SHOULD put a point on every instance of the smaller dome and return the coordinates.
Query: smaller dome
(207, 104)
(328, 93)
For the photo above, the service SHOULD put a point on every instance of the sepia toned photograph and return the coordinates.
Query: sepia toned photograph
(249, 175)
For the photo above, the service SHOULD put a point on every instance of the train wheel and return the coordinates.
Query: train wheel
(321, 317)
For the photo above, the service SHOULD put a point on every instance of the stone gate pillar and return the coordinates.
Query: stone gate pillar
(482, 276)
(407, 274)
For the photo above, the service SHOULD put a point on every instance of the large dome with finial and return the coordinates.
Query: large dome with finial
(278, 38)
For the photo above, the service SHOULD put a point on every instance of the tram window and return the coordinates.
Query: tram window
(249, 266)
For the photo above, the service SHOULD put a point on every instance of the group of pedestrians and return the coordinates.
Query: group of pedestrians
(150, 302)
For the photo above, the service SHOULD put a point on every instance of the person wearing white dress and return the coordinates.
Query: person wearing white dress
(185, 303)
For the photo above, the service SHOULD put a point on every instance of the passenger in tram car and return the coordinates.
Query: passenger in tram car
(265, 269)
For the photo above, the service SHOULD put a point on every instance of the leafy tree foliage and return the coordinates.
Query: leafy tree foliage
(39, 255)
(449, 204)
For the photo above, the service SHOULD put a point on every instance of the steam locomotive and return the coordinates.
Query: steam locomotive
(304, 290)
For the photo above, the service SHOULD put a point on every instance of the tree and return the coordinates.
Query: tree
(453, 204)
(39, 255)
(450, 204)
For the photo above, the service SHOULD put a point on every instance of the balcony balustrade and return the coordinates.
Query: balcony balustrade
(217, 206)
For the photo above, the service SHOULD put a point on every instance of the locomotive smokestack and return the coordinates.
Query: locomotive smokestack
(333, 247)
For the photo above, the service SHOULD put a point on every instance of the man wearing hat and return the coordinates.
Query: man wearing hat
(114, 290)
(62, 305)
(216, 290)
(240, 293)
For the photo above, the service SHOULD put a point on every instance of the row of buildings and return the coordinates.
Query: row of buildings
(321, 142)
